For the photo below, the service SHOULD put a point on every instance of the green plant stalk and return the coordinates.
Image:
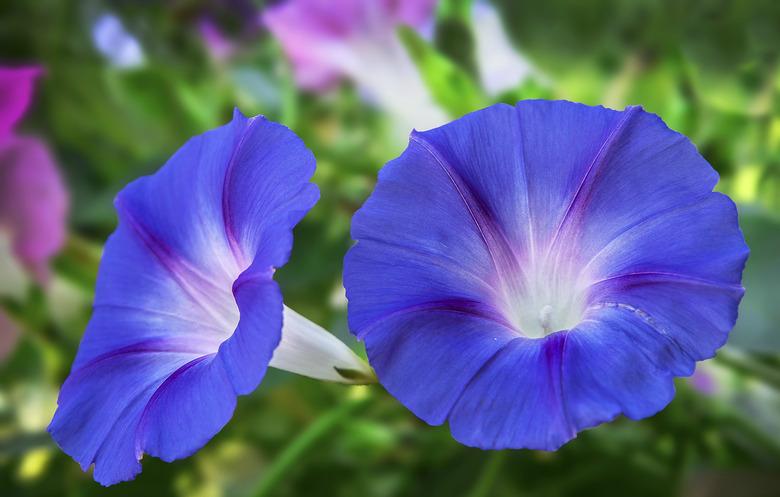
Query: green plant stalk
(487, 477)
(309, 437)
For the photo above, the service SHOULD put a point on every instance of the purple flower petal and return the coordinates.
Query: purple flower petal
(33, 202)
(529, 272)
(186, 314)
(16, 90)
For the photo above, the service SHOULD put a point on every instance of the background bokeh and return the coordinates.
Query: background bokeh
(127, 82)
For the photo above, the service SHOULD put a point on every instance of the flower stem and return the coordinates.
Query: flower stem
(308, 438)
(490, 470)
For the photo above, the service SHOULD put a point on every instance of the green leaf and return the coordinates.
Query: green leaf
(455, 8)
(450, 86)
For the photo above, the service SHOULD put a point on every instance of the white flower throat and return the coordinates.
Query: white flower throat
(549, 298)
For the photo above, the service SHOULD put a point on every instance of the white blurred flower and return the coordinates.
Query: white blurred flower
(501, 67)
(116, 44)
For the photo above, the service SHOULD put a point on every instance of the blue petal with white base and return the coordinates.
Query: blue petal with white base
(527, 272)
(186, 314)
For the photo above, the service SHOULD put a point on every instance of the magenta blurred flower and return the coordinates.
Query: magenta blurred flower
(703, 379)
(33, 202)
(33, 199)
(16, 87)
(218, 47)
(311, 31)
(327, 40)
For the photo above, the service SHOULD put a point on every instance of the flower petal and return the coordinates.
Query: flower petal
(618, 362)
(309, 350)
(16, 89)
(422, 262)
(246, 354)
(187, 409)
(187, 315)
(101, 403)
(642, 151)
(33, 202)
(700, 241)
(427, 357)
(516, 399)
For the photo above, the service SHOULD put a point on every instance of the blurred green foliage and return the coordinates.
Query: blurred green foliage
(710, 69)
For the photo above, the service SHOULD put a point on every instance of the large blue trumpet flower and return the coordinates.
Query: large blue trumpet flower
(187, 315)
(528, 272)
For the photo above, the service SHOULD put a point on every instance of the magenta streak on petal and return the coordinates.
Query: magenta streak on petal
(554, 347)
(430, 259)
(558, 355)
(179, 270)
(663, 276)
(252, 275)
(595, 164)
(143, 420)
(156, 345)
(499, 249)
(130, 404)
(461, 306)
(227, 214)
(481, 370)
(641, 222)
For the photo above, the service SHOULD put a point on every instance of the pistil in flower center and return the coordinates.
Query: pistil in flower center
(549, 299)
(545, 318)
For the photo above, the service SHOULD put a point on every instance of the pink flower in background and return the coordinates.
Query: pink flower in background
(703, 379)
(217, 45)
(327, 40)
(311, 31)
(33, 199)
(16, 87)
(33, 202)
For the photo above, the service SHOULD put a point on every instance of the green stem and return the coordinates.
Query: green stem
(489, 472)
(310, 436)
(744, 364)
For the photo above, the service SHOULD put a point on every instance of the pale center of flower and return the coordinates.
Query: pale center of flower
(546, 299)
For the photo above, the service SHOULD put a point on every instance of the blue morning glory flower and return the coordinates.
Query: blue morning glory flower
(187, 315)
(528, 272)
